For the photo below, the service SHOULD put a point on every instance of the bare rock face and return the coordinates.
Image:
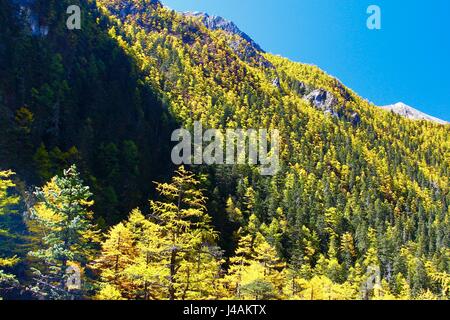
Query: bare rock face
(219, 23)
(328, 103)
(276, 82)
(242, 45)
(322, 99)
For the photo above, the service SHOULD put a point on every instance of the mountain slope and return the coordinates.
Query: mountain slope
(358, 188)
(343, 159)
(411, 113)
(75, 96)
(219, 23)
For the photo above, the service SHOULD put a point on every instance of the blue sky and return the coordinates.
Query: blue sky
(407, 60)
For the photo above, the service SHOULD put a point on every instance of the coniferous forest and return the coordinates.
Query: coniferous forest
(91, 206)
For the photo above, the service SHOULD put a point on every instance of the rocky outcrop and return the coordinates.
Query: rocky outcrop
(276, 82)
(241, 44)
(328, 103)
(322, 99)
(219, 23)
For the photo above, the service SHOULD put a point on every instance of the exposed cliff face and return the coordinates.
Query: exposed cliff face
(322, 99)
(242, 44)
(219, 23)
(329, 104)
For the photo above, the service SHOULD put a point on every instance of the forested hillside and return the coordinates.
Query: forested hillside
(76, 97)
(361, 194)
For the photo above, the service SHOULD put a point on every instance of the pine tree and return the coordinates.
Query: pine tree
(176, 253)
(118, 251)
(239, 262)
(187, 236)
(148, 271)
(372, 285)
(61, 217)
(43, 163)
(256, 271)
(274, 267)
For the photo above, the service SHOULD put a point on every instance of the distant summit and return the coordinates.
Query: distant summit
(411, 113)
(219, 23)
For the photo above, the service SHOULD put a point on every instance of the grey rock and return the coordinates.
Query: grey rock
(219, 23)
(322, 99)
(355, 119)
(276, 82)
(327, 102)
(243, 46)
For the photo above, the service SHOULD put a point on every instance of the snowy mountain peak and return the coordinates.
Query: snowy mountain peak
(411, 113)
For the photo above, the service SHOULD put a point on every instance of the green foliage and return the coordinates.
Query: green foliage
(350, 175)
(360, 190)
(65, 94)
(62, 220)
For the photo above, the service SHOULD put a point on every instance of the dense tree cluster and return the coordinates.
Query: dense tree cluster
(170, 251)
(359, 210)
(77, 97)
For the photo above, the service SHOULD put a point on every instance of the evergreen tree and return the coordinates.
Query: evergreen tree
(62, 219)
(118, 252)
(169, 255)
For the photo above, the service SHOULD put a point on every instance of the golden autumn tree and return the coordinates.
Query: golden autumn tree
(186, 237)
(170, 254)
(239, 263)
(118, 252)
(6, 201)
(256, 271)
